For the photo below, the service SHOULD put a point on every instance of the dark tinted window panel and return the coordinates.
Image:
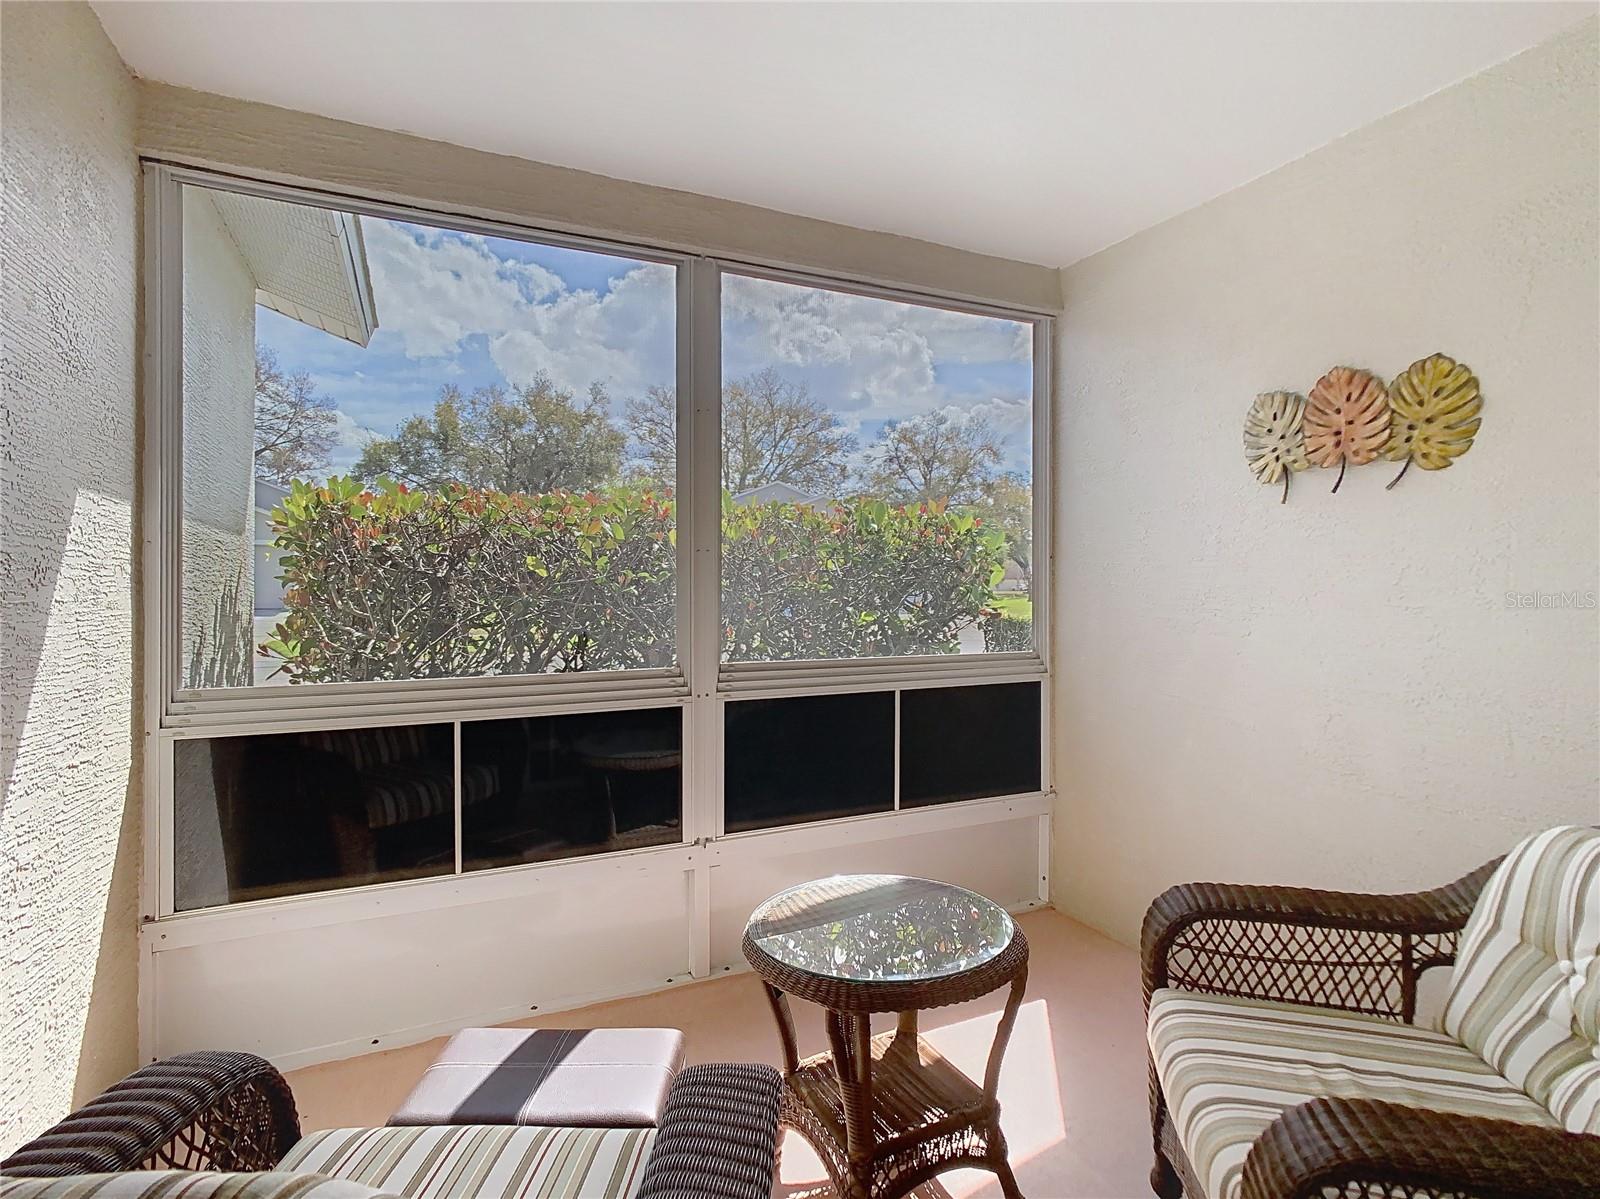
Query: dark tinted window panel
(968, 743)
(261, 817)
(818, 757)
(544, 787)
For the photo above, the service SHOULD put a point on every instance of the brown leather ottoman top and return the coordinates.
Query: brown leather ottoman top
(585, 1077)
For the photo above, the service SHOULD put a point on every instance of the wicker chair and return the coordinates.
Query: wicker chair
(214, 1111)
(1352, 962)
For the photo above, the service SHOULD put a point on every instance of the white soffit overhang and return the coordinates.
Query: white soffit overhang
(1040, 132)
(310, 264)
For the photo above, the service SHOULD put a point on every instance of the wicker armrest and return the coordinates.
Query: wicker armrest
(718, 1135)
(1330, 948)
(197, 1111)
(1358, 1147)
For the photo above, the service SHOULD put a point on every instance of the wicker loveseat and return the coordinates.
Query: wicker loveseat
(233, 1113)
(1286, 1063)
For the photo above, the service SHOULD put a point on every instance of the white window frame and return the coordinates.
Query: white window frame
(700, 684)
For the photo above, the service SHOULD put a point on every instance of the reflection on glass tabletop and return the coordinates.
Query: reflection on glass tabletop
(880, 927)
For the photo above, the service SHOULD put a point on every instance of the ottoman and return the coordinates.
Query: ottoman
(575, 1077)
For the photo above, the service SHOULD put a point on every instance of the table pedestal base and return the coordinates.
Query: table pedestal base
(925, 1115)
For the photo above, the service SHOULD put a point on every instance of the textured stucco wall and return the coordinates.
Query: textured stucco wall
(219, 338)
(1335, 692)
(69, 839)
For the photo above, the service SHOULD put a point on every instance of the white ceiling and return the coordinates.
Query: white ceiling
(1042, 132)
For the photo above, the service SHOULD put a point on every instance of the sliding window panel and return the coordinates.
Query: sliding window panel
(412, 452)
(877, 476)
(285, 814)
(540, 788)
(961, 743)
(815, 757)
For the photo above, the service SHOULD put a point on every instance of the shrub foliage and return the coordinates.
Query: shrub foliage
(383, 582)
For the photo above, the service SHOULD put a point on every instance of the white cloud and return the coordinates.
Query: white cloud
(625, 338)
(351, 439)
(871, 360)
(882, 358)
(1010, 420)
(434, 289)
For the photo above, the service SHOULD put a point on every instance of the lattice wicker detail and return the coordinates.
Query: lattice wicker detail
(238, 1133)
(197, 1111)
(902, 1170)
(1356, 970)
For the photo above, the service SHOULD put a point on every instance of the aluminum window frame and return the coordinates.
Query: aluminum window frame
(700, 683)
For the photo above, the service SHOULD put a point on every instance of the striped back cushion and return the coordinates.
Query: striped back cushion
(367, 748)
(1525, 995)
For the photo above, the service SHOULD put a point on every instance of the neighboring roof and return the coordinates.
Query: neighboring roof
(778, 492)
(269, 494)
(309, 263)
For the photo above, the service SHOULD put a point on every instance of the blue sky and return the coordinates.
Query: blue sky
(472, 311)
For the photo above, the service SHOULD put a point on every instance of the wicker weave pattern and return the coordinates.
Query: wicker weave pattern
(719, 1133)
(1357, 1148)
(926, 1116)
(1361, 953)
(197, 1111)
(866, 995)
(233, 1111)
(888, 1113)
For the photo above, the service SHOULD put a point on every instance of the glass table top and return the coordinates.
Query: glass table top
(880, 927)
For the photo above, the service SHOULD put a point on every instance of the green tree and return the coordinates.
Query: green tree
(530, 439)
(295, 427)
(932, 458)
(773, 431)
(1007, 505)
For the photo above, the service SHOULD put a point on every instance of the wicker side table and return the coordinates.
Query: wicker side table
(887, 1113)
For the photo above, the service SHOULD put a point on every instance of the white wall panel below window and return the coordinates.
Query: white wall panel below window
(309, 994)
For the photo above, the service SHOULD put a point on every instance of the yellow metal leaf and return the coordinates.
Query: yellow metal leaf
(1347, 419)
(1437, 407)
(1274, 437)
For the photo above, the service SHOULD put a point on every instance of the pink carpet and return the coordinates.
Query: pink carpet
(1073, 1087)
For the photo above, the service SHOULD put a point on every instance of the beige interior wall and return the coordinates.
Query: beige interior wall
(69, 838)
(1336, 692)
(200, 129)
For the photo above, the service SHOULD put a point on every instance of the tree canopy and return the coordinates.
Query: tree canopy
(531, 439)
(773, 431)
(933, 457)
(295, 427)
(541, 438)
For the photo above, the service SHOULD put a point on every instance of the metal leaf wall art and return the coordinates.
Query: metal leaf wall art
(1429, 416)
(1274, 437)
(1436, 406)
(1347, 419)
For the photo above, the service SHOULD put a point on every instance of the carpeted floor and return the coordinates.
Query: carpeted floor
(1073, 1087)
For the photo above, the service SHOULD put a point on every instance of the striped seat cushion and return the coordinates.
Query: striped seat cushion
(481, 1161)
(186, 1184)
(1525, 993)
(1230, 1067)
